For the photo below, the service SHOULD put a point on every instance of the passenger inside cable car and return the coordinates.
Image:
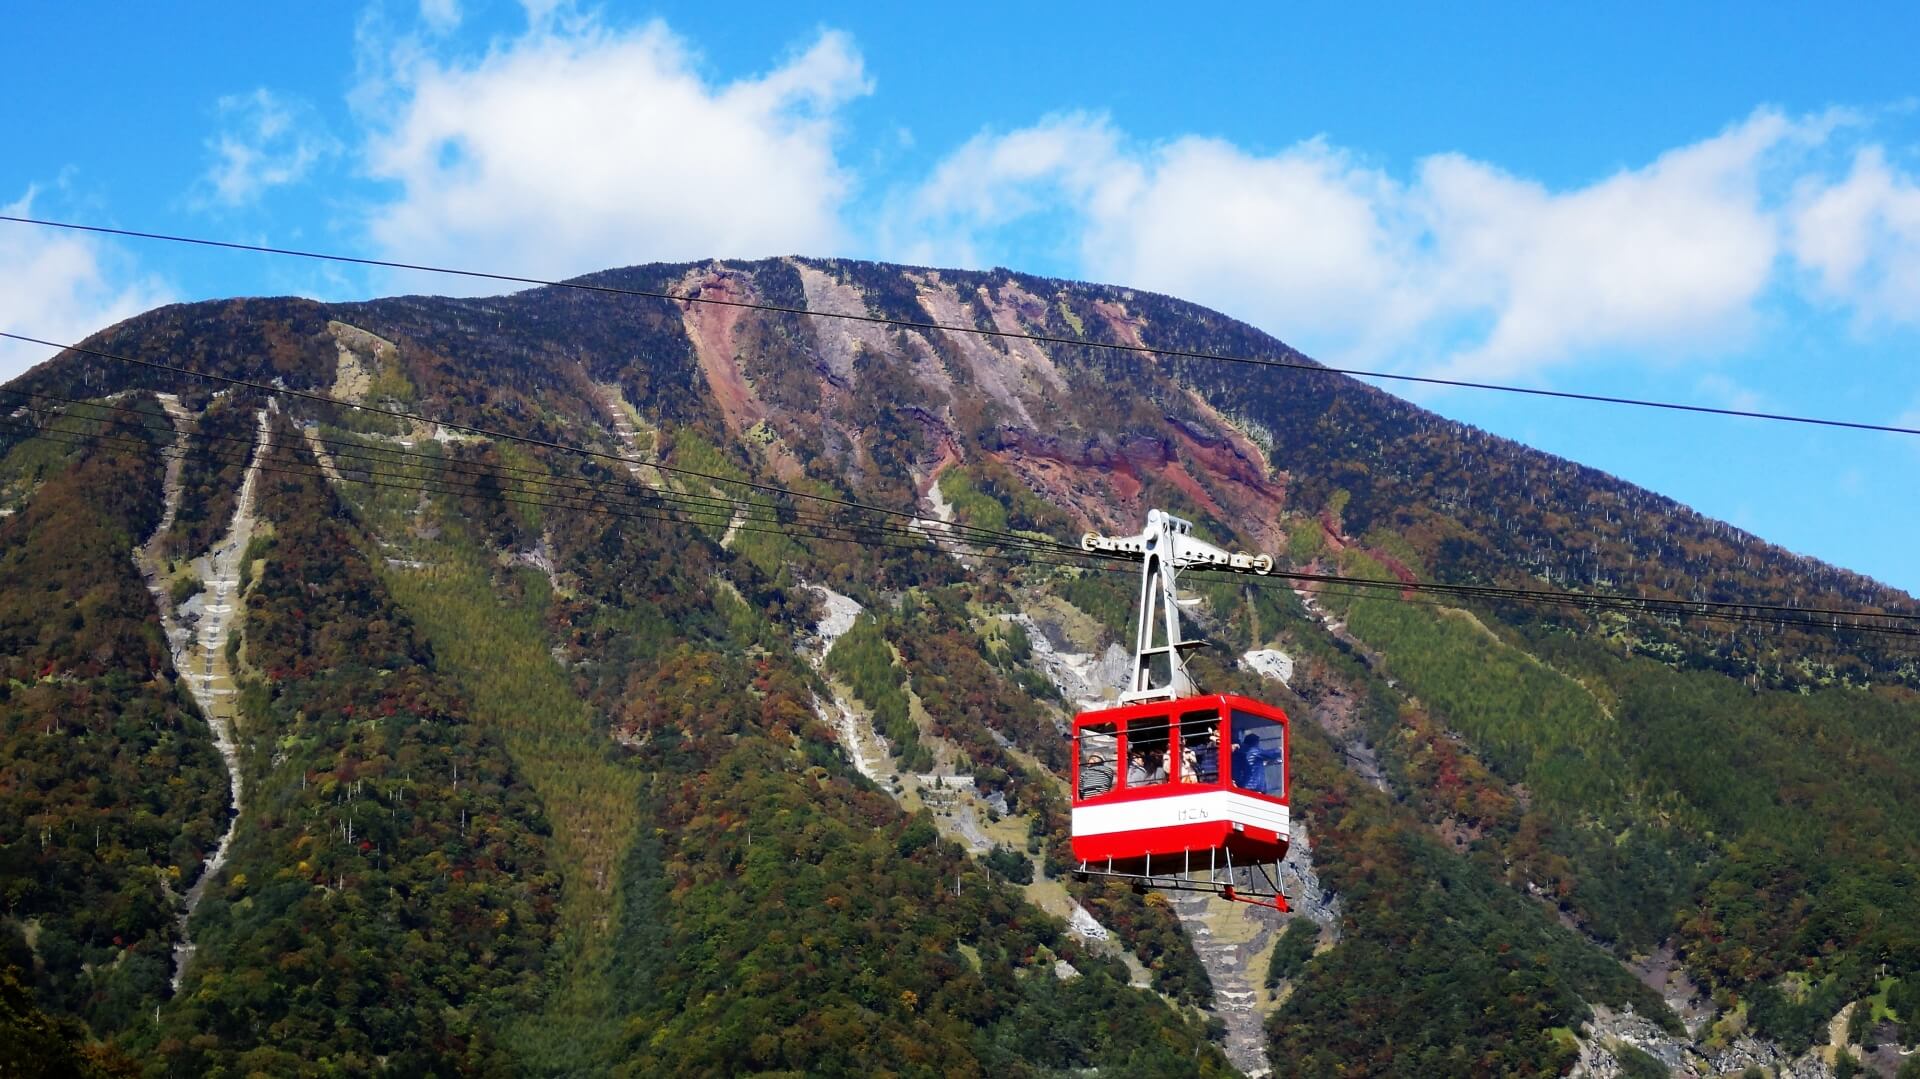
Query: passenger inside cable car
(1157, 751)
(1259, 754)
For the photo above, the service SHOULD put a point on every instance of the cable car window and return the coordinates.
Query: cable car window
(1099, 755)
(1147, 751)
(1259, 754)
(1199, 747)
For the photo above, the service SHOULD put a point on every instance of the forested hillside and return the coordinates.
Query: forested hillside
(551, 765)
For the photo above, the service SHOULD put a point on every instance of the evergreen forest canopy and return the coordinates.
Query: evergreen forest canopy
(535, 786)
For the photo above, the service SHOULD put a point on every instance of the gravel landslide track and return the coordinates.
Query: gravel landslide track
(197, 635)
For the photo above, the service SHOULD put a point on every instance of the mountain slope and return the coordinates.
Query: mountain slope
(657, 847)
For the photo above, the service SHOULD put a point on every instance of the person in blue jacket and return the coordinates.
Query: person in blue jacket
(1250, 760)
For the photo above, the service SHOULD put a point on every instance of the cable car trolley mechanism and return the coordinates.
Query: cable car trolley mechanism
(1174, 789)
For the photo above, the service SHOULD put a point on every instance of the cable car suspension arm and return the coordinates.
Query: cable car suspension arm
(1165, 547)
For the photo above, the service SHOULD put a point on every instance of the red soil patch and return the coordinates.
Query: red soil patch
(949, 456)
(1177, 474)
(1395, 566)
(714, 328)
(1125, 326)
(1330, 531)
(1231, 457)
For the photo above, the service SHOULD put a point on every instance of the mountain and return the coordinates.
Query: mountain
(667, 757)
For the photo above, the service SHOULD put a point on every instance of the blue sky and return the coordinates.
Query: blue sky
(1718, 206)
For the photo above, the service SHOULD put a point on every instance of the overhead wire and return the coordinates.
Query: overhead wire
(697, 516)
(1687, 608)
(492, 433)
(1672, 609)
(914, 324)
(1572, 602)
(1505, 592)
(1372, 588)
(873, 536)
(547, 484)
(864, 536)
(694, 517)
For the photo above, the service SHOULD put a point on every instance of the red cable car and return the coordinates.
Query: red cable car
(1172, 789)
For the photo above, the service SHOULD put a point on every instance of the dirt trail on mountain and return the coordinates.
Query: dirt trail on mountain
(942, 537)
(1473, 620)
(626, 429)
(170, 482)
(327, 466)
(1233, 941)
(197, 635)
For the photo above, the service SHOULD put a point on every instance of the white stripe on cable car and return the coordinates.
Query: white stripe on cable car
(1173, 810)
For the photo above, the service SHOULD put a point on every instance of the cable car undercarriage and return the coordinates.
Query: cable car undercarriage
(1257, 883)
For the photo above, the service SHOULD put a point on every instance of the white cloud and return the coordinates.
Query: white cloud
(440, 16)
(575, 147)
(1309, 239)
(986, 181)
(60, 286)
(267, 141)
(1463, 267)
(1860, 237)
(994, 181)
(1667, 255)
(1724, 392)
